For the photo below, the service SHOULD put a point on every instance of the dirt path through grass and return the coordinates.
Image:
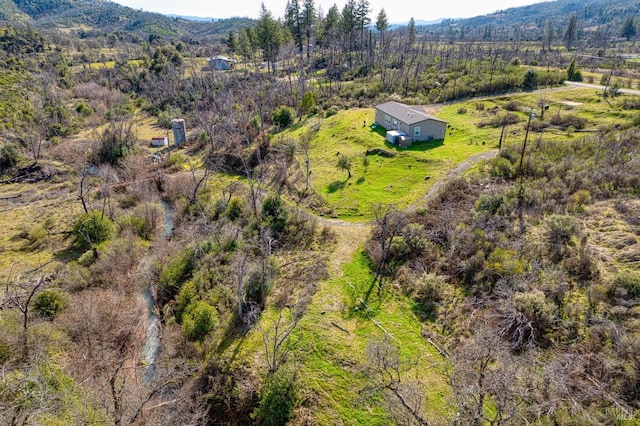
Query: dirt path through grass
(451, 174)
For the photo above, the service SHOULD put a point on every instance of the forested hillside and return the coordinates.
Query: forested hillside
(106, 16)
(286, 263)
(600, 20)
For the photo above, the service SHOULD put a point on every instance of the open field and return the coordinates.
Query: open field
(474, 126)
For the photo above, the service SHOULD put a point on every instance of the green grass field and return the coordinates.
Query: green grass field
(404, 178)
(399, 180)
(333, 358)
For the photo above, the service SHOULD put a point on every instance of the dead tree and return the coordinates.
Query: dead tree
(277, 340)
(20, 297)
(385, 369)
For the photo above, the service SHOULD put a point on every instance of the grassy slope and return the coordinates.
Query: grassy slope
(402, 179)
(27, 242)
(399, 180)
(331, 359)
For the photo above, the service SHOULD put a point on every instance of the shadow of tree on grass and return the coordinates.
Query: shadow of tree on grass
(336, 186)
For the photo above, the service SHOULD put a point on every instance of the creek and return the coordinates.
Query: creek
(151, 347)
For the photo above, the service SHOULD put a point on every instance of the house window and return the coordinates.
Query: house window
(387, 119)
(417, 131)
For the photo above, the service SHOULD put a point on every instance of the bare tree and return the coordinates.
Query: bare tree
(385, 370)
(20, 296)
(389, 223)
(277, 338)
(485, 370)
(305, 147)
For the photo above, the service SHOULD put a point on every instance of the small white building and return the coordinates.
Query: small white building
(159, 141)
(220, 62)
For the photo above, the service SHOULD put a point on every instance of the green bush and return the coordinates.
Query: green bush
(134, 224)
(530, 80)
(84, 110)
(283, 116)
(308, 102)
(178, 269)
(5, 353)
(277, 398)
(630, 282)
(49, 303)
(9, 156)
(199, 319)
(274, 212)
(502, 167)
(333, 110)
(185, 298)
(536, 308)
(234, 209)
(92, 229)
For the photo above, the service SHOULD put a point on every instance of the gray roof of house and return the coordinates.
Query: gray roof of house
(222, 58)
(406, 113)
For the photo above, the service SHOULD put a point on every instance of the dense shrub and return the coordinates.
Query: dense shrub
(49, 303)
(198, 320)
(277, 398)
(274, 212)
(560, 232)
(512, 106)
(496, 121)
(629, 282)
(9, 156)
(178, 269)
(93, 228)
(308, 102)
(566, 121)
(116, 141)
(234, 209)
(283, 116)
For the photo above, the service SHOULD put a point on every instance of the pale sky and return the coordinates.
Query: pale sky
(396, 10)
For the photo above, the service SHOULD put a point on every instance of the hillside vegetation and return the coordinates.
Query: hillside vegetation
(287, 265)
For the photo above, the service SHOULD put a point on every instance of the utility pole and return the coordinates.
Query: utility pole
(519, 174)
(524, 145)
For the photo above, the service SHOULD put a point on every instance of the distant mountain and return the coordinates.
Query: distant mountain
(592, 15)
(107, 16)
(193, 18)
(418, 22)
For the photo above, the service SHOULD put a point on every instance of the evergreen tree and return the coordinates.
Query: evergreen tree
(382, 25)
(411, 29)
(245, 43)
(570, 34)
(330, 26)
(232, 43)
(349, 22)
(573, 73)
(269, 36)
(628, 28)
(549, 34)
(382, 22)
(293, 21)
(309, 20)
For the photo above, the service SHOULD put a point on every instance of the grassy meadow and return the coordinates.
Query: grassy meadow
(473, 127)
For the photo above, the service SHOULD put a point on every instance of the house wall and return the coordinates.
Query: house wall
(380, 121)
(429, 129)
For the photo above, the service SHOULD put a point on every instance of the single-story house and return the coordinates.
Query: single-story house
(159, 141)
(220, 62)
(413, 120)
